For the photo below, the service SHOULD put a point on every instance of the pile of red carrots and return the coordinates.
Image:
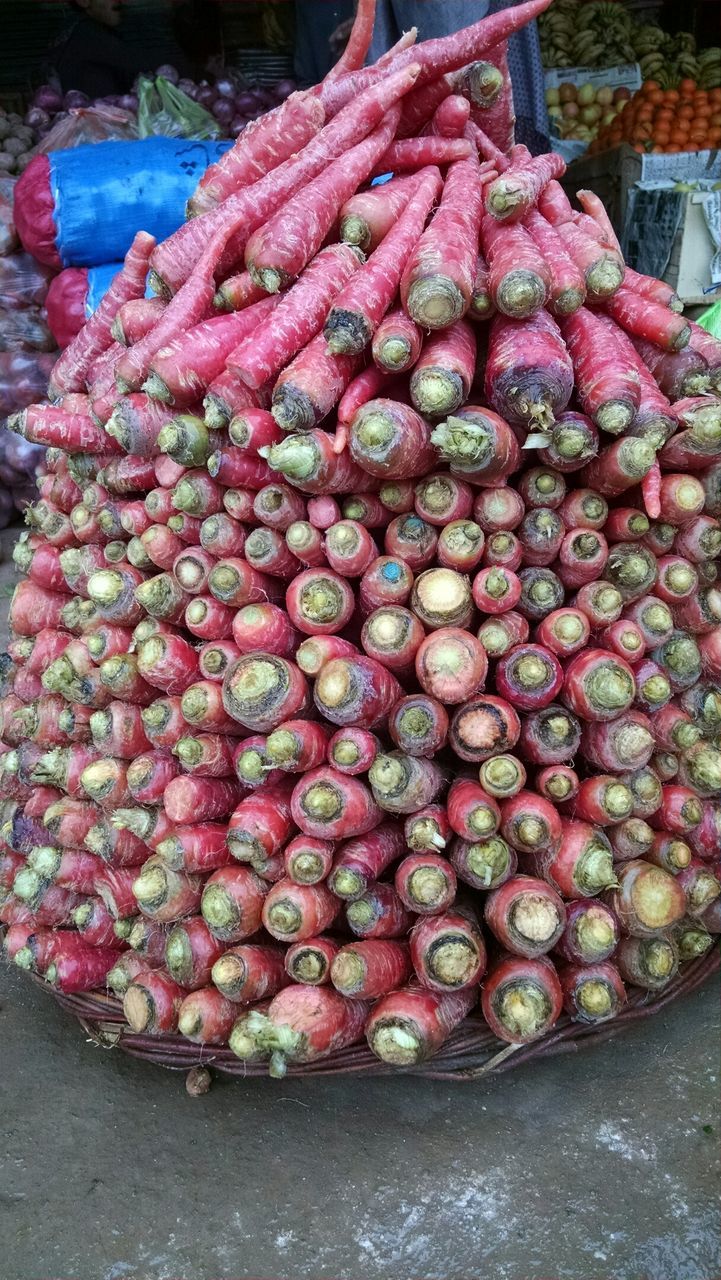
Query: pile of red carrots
(366, 673)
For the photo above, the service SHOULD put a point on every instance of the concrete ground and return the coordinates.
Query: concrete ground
(600, 1166)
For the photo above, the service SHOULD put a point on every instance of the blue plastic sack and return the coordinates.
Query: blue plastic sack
(103, 194)
(100, 279)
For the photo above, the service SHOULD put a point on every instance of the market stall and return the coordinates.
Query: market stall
(362, 705)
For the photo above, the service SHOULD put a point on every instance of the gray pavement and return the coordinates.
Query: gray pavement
(597, 1166)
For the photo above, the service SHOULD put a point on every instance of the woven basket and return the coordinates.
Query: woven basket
(471, 1051)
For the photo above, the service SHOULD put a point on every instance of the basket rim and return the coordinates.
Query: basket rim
(470, 1053)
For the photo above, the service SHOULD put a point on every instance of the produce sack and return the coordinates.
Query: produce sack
(165, 111)
(23, 282)
(82, 207)
(25, 331)
(8, 234)
(81, 126)
(74, 295)
(23, 378)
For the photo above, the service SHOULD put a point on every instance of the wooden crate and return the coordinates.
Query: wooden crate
(611, 174)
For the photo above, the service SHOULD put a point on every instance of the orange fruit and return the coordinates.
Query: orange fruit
(687, 86)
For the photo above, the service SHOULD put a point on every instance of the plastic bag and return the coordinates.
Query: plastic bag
(164, 110)
(711, 320)
(84, 125)
(9, 240)
(19, 461)
(23, 282)
(24, 378)
(25, 331)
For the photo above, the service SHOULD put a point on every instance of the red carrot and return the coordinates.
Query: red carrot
(358, 863)
(215, 658)
(293, 912)
(649, 320)
(319, 602)
(410, 1025)
(298, 318)
(297, 745)
(206, 1017)
(648, 900)
(567, 287)
(329, 804)
(450, 117)
(388, 438)
(451, 665)
(228, 395)
(232, 581)
(261, 689)
(261, 824)
(514, 193)
(359, 308)
(305, 542)
(191, 950)
(411, 539)
(135, 318)
(82, 969)
(265, 626)
(208, 619)
(263, 145)
(151, 1003)
(519, 281)
(710, 348)
(448, 951)
(199, 799)
(526, 916)
(425, 883)
(277, 253)
(593, 993)
(311, 385)
(249, 972)
(181, 371)
(202, 706)
(602, 267)
(310, 462)
(307, 1022)
(118, 730)
(370, 969)
(368, 216)
(355, 690)
(529, 377)
(678, 373)
(94, 338)
(443, 374)
(418, 153)
(307, 859)
(437, 281)
(396, 342)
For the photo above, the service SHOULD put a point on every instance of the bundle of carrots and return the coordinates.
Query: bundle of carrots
(367, 670)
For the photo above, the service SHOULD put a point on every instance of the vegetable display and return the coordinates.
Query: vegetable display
(366, 673)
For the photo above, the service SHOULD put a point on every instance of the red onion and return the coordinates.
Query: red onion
(168, 72)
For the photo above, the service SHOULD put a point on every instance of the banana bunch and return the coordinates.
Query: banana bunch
(597, 34)
(709, 68)
(602, 33)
